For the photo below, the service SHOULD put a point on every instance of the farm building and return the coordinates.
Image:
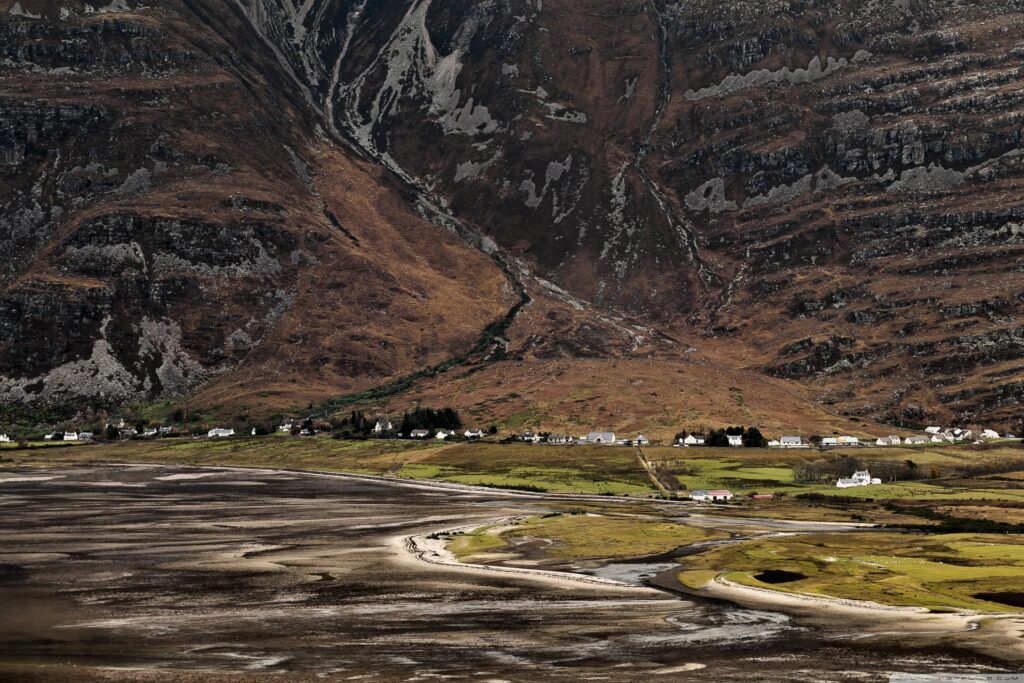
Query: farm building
(601, 437)
(712, 496)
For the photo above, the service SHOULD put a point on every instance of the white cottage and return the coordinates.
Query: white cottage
(220, 433)
(473, 433)
(641, 440)
(735, 440)
(859, 478)
(4, 438)
(693, 440)
(711, 496)
(989, 434)
(791, 442)
(71, 436)
(419, 434)
(443, 434)
(888, 441)
(605, 438)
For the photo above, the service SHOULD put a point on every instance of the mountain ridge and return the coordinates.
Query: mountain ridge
(774, 185)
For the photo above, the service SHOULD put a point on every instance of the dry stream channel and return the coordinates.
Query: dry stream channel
(119, 571)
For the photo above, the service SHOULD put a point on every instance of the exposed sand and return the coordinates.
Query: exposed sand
(997, 634)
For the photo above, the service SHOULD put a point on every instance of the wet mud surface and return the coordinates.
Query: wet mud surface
(115, 572)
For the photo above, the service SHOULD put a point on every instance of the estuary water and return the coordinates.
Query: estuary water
(109, 571)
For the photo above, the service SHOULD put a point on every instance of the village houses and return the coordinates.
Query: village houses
(473, 434)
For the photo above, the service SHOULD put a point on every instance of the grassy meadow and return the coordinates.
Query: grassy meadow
(939, 572)
(582, 536)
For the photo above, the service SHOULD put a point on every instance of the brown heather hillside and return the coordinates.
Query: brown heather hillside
(587, 208)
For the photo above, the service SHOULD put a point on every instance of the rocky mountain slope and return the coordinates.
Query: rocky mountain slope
(274, 201)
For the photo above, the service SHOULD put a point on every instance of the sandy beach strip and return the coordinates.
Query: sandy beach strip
(1000, 634)
(431, 549)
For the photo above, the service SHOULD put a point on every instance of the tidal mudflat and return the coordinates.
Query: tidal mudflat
(171, 573)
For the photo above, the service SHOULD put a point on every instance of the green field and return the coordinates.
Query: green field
(938, 572)
(577, 469)
(583, 537)
(561, 469)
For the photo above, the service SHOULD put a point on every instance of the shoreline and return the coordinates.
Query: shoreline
(998, 635)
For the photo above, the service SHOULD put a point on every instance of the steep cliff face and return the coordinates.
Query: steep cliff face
(170, 216)
(825, 192)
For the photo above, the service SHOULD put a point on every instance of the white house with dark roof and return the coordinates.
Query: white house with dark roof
(693, 440)
(791, 442)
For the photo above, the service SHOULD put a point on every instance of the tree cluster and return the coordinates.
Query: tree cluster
(828, 471)
(752, 437)
(430, 419)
